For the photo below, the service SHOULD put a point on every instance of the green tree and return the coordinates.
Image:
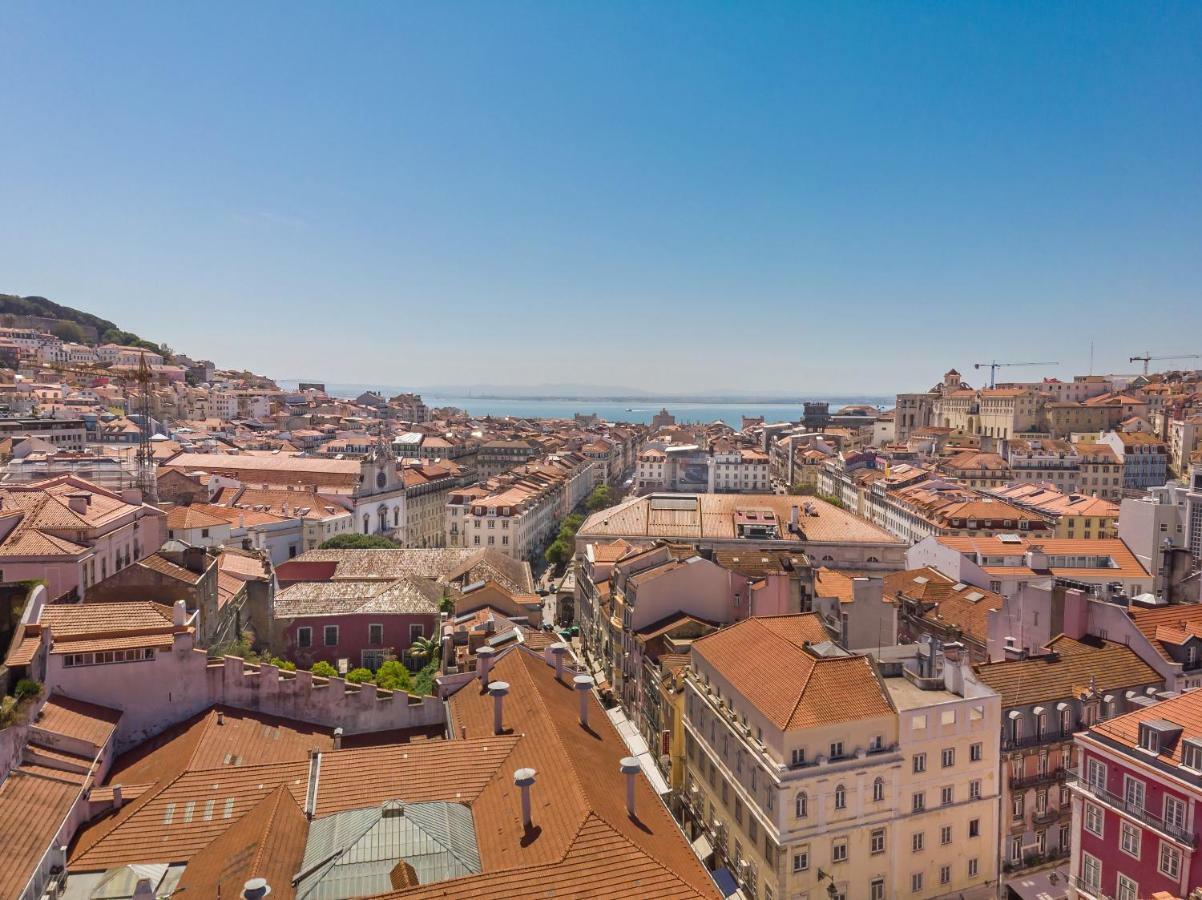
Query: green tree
(324, 669)
(69, 332)
(426, 649)
(558, 553)
(359, 542)
(393, 676)
(281, 663)
(599, 498)
(424, 683)
(359, 675)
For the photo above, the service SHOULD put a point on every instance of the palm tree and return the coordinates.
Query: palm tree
(424, 649)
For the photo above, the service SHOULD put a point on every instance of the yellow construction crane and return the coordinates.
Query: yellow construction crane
(1147, 358)
(994, 366)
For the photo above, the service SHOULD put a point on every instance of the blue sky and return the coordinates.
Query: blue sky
(679, 196)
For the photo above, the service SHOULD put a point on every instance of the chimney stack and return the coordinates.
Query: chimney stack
(524, 779)
(338, 738)
(794, 515)
(256, 889)
(118, 797)
(583, 684)
(179, 613)
(629, 766)
(558, 651)
(484, 658)
(220, 716)
(498, 689)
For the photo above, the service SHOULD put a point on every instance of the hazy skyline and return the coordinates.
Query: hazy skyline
(677, 197)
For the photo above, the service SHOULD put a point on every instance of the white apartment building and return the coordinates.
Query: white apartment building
(117, 355)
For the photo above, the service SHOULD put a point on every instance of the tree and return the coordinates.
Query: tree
(424, 683)
(446, 603)
(324, 669)
(281, 663)
(599, 498)
(359, 675)
(426, 649)
(359, 542)
(393, 676)
(558, 553)
(69, 332)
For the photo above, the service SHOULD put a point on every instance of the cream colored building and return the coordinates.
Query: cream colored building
(800, 769)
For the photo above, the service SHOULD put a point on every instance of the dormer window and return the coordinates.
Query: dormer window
(1148, 739)
(1157, 736)
(1191, 754)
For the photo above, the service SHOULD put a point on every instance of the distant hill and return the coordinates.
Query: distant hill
(38, 312)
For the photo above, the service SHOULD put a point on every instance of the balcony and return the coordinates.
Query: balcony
(1114, 801)
(1037, 740)
(1050, 815)
(1053, 776)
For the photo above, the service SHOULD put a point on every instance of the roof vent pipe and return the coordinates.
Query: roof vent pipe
(558, 651)
(583, 684)
(256, 889)
(629, 766)
(338, 738)
(484, 659)
(498, 689)
(524, 779)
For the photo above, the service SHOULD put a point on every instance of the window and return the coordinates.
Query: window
(304, 637)
(916, 883)
(1169, 863)
(375, 635)
(1094, 819)
(372, 659)
(974, 752)
(330, 635)
(949, 757)
(974, 789)
(945, 874)
(1016, 848)
(801, 805)
(415, 631)
(1018, 805)
(876, 890)
(920, 762)
(876, 841)
(1174, 812)
(945, 835)
(799, 758)
(1095, 774)
(972, 867)
(1191, 755)
(837, 750)
(1127, 889)
(840, 797)
(917, 842)
(1129, 838)
(1149, 739)
(801, 858)
(974, 828)
(878, 790)
(1133, 793)
(918, 802)
(839, 851)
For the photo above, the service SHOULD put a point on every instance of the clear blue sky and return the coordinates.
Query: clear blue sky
(678, 196)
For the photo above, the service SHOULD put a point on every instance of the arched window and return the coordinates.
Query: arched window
(801, 805)
(840, 797)
(878, 790)
(873, 559)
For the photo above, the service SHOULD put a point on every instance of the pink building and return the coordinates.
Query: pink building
(71, 533)
(1136, 799)
(363, 622)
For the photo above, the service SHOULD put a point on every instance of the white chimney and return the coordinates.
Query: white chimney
(179, 613)
(524, 779)
(338, 738)
(118, 797)
(484, 658)
(256, 889)
(583, 684)
(629, 766)
(558, 651)
(498, 689)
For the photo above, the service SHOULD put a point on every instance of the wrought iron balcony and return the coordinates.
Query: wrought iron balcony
(1139, 813)
(1053, 776)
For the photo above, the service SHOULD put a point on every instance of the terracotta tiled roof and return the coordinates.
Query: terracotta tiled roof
(1172, 624)
(77, 719)
(410, 596)
(830, 583)
(163, 566)
(32, 809)
(185, 518)
(765, 660)
(958, 605)
(1072, 664)
(1185, 711)
(268, 842)
(70, 621)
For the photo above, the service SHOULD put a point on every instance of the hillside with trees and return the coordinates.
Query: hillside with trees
(65, 322)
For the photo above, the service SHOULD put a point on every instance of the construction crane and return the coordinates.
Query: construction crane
(1147, 358)
(994, 366)
(147, 481)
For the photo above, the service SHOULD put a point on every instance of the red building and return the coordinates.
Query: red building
(361, 621)
(1137, 803)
